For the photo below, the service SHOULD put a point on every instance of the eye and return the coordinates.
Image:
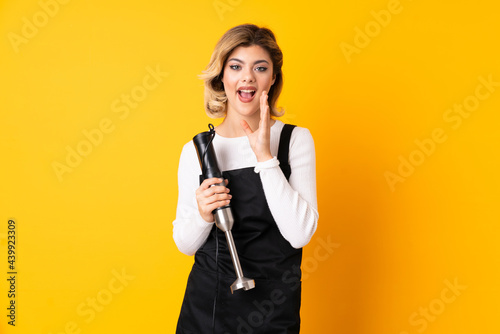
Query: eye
(261, 69)
(234, 67)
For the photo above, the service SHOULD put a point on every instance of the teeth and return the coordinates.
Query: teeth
(247, 91)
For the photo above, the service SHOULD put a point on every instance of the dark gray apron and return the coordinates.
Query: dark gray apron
(273, 305)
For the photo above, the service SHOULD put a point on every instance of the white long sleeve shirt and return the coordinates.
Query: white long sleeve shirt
(293, 203)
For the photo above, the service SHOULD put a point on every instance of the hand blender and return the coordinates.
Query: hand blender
(223, 216)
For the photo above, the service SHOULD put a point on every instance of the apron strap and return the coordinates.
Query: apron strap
(284, 148)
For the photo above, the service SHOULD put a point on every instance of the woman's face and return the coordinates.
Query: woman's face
(248, 72)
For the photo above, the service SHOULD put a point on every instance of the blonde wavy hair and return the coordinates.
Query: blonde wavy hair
(243, 35)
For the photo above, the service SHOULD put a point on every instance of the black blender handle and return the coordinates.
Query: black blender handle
(206, 153)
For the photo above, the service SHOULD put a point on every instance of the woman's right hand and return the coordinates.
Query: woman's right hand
(211, 197)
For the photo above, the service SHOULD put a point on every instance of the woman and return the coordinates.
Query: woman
(271, 187)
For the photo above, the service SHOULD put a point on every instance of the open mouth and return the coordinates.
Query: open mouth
(246, 94)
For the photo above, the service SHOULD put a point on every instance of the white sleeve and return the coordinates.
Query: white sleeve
(190, 229)
(293, 204)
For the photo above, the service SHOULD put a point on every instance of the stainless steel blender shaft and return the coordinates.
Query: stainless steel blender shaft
(224, 221)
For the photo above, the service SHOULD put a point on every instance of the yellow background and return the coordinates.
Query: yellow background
(395, 247)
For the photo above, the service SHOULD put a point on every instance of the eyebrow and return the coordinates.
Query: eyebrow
(256, 62)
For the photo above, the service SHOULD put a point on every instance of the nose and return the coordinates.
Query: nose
(248, 75)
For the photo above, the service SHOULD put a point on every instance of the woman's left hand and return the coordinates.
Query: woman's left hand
(260, 139)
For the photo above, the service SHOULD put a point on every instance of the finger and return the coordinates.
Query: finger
(264, 110)
(263, 102)
(219, 198)
(262, 96)
(216, 205)
(208, 201)
(215, 190)
(207, 183)
(246, 127)
(203, 201)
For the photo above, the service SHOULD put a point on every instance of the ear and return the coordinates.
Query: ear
(274, 79)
